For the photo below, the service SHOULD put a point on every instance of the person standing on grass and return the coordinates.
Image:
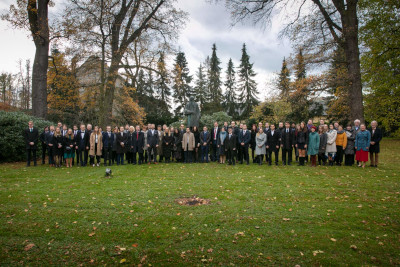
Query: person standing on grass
(214, 140)
(323, 138)
(313, 145)
(160, 143)
(69, 147)
(129, 147)
(349, 151)
(49, 143)
(230, 146)
(188, 145)
(152, 144)
(42, 138)
(108, 140)
(341, 143)
(273, 144)
(31, 136)
(261, 140)
(331, 144)
(167, 144)
(220, 146)
(301, 142)
(96, 146)
(244, 141)
(376, 137)
(122, 139)
(57, 144)
(287, 144)
(363, 142)
(253, 134)
(196, 150)
(114, 146)
(356, 129)
(205, 138)
(138, 145)
(178, 145)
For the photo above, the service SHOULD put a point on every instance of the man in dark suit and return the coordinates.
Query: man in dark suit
(138, 144)
(108, 141)
(42, 138)
(122, 142)
(152, 143)
(205, 138)
(75, 151)
(287, 144)
(266, 130)
(82, 142)
(273, 144)
(230, 146)
(374, 149)
(31, 136)
(214, 140)
(49, 143)
(244, 141)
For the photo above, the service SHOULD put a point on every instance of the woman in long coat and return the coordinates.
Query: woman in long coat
(167, 145)
(313, 146)
(221, 147)
(323, 137)
(178, 145)
(197, 143)
(363, 142)
(331, 144)
(261, 140)
(58, 150)
(349, 151)
(96, 146)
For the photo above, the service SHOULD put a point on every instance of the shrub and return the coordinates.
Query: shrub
(12, 142)
(220, 117)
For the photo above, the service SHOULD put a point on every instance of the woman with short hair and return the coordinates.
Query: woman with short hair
(261, 140)
(330, 151)
(301, 142)
(220, 145)
(57, 142)
(323, 137)
(69, 143)
(96, 146)
(363, 142)
(167, 144)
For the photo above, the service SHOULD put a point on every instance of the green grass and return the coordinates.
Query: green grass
(76, 216)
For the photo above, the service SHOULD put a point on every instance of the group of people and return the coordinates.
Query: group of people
(231, 144)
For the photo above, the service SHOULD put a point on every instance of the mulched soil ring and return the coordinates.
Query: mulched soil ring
(192, 201)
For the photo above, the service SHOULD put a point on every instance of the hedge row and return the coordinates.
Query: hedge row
(12, 144)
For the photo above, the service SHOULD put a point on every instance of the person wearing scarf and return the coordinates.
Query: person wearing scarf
(341, 143)
(220, 146)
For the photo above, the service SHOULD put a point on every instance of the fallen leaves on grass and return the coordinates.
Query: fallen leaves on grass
(29, 246)
(333, 239)
(286, 219)
(92, 234)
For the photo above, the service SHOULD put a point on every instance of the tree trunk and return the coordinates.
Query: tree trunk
(38, 20)
(106, 119)
(351, 48)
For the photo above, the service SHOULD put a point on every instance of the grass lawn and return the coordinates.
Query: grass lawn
(258, 215)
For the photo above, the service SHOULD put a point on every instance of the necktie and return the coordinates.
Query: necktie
(287, 130)
(109, 135)
(31, 129)
(137, 136)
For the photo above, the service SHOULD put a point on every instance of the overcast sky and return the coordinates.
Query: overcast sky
(209, 23)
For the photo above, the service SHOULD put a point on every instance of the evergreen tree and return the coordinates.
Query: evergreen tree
(300, 67)
(140, 83)
(201, 87)
(162, 82)
(149, 85)
(214, 79)
(299, 97)
(247, 85)
(284, 81)
(230, 102)
(182, 80)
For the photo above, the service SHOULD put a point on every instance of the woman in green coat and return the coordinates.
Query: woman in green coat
(313, 146)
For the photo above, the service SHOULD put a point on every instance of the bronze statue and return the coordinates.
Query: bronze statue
(192, 112)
